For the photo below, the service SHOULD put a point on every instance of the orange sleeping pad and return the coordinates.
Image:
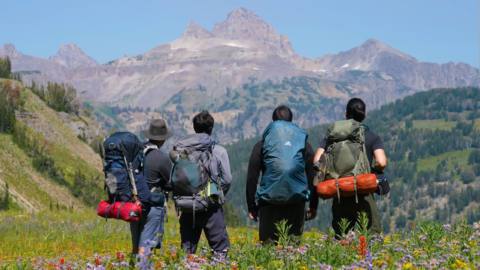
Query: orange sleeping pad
(366, 184)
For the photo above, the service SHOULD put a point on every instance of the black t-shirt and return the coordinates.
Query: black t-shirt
(372, 142)
(157, 168)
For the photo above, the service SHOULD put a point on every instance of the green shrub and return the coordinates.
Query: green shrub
(5, 68)
(10, 101)
(60, 97)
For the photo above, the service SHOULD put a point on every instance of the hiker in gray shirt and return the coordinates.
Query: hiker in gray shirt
(211, 220)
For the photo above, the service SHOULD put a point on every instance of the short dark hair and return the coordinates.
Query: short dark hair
(356, 109)
(282, 112)
(203, 122)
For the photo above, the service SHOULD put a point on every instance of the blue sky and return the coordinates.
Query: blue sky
(430, 30)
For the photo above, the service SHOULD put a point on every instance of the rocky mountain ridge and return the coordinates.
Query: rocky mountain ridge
(241, 51)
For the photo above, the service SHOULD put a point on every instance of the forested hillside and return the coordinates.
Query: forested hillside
(433, 144)
(45, 161)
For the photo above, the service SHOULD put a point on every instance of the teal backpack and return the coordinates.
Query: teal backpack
(284, 179)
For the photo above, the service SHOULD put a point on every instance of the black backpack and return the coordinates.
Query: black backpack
(123, 160)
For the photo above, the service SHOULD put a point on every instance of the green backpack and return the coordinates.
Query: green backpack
(346, 154)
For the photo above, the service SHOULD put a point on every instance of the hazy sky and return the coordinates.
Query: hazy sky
(430, 30)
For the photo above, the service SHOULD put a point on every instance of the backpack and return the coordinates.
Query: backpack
(122, 161)
(346, 154)
(195, 174)
(284, 179)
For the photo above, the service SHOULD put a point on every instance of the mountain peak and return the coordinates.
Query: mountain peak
(375, 46)
(242, 13)
(194, 30)
(244, 24)
(70, 55)
(9, 50)
(69, 47)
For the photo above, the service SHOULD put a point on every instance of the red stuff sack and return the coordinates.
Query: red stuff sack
(127, 211)
(365, 184)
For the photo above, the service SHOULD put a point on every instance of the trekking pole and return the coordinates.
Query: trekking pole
(132, 178)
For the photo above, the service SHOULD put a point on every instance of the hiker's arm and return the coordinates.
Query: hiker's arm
(379, 154)
(380, 159)
(254, 169)
(313, 204)
(318, 155)
(320, 151)
(226, 173)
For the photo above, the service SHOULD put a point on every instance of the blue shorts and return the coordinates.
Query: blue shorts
(152, 234)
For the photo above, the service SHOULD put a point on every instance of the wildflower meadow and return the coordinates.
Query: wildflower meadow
(85, 241)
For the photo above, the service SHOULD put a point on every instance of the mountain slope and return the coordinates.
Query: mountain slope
(241, 49)
(44, 161)
(432, 140)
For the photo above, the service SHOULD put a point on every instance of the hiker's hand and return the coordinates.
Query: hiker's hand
(316, 166)
(252, 216)
(311, 214)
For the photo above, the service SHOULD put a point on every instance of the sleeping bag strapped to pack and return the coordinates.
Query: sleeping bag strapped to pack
(362, 184)
(195, 177)
(284, 180)
(346, 156)
(123, 156)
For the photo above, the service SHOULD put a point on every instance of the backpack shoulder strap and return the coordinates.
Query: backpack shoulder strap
(148, 148)
(362, 165)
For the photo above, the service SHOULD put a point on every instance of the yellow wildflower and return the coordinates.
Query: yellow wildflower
(378, 263)
(387, 239)
(417, 253)
(459, 264)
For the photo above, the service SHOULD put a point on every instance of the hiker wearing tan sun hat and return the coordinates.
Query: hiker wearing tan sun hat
(157, 167)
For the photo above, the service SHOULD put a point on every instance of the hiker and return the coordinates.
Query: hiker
(148, 233)
(284, 158)
(128, 192)
(200, 180)
(349, 208)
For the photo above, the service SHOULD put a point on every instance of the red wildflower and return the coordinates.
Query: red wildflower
(98, 261)
(120, 256)
(61, 261)
(362, 246)
(344, 242)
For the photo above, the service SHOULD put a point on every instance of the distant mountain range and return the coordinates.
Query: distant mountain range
(239, 54)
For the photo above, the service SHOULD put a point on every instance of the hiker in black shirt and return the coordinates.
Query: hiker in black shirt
(347, 207)
(148, 232)
(269, 214)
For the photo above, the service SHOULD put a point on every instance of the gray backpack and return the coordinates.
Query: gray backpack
(195, 175)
